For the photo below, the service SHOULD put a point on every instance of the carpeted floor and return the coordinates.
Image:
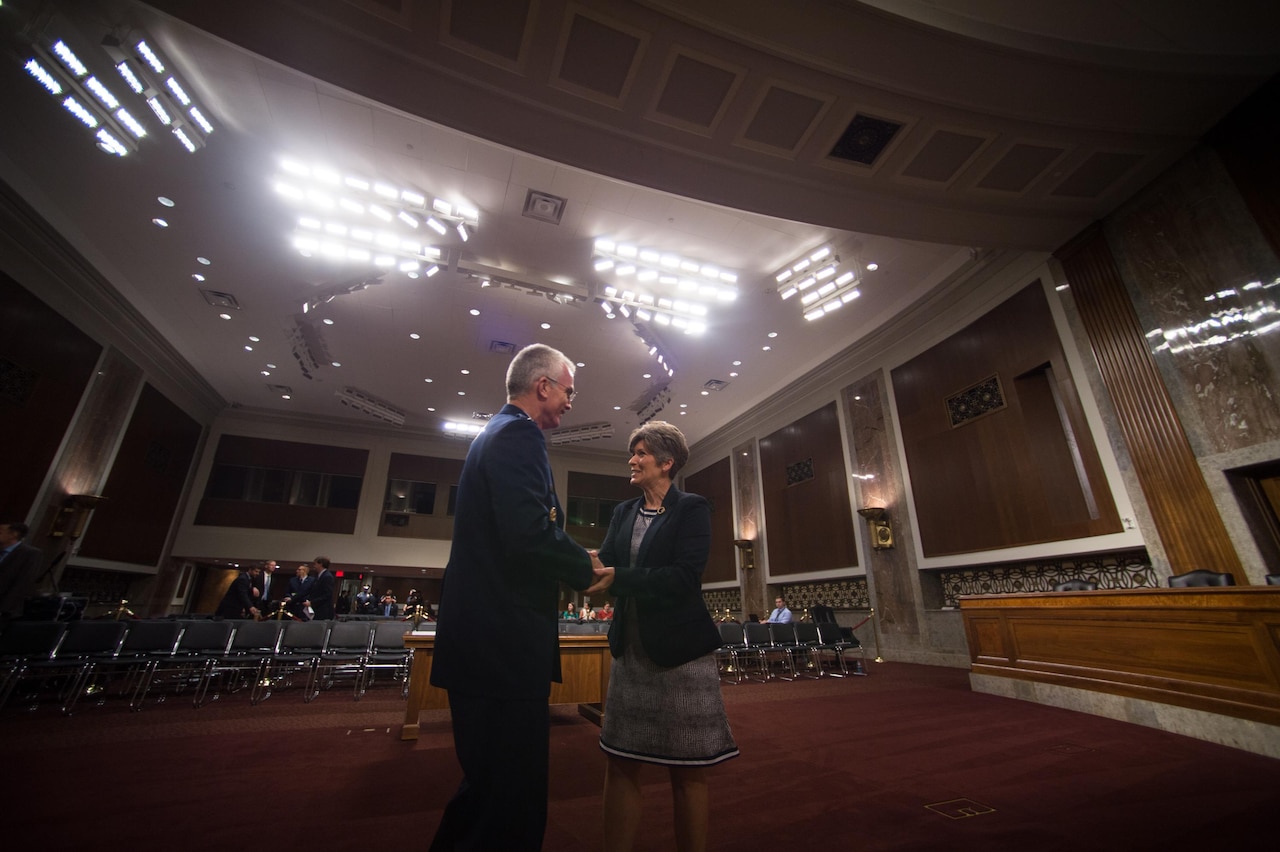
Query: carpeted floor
(906, 759)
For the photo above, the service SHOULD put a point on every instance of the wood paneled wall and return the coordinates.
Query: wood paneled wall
(1181, 506)
(809, 521)
(144, 488)
(1027, 470)
(45, 365)
(715, 482)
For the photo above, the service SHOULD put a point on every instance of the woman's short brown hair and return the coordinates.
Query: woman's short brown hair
(665, 443)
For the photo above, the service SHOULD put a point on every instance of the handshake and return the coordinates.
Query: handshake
(604, 576)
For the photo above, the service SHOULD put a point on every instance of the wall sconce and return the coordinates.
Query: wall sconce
(71, 519)
(878, 524)
(747, 547)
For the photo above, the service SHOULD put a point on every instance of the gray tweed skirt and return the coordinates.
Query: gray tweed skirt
(670, 716)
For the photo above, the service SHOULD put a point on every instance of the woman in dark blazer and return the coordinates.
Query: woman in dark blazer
(664, 705)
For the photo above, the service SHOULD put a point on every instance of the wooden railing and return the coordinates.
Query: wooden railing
(1211, 649)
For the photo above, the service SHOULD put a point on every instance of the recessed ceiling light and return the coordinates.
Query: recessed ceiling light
(617, 408)
(248, 348)
(428, 381)
(465, 372)
(271, 366)
(648, 375)
(429, 408)
(285, 396)
(336, 363)
(773, 334)
(225, 316)
(253, 339)
(582, 364)
(204, 261)
(462, 393)
(873, 266)
(685, 404)
(167, 202)
(266, 372)
(328, 321)
(413, 335)
(733, 375)
(197, 276)
(160, 223)
(737, 363)
(706, 393)
(765, 348)
(474, 312)
(546, 325)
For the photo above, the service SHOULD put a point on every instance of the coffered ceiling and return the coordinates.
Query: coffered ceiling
(924, 137)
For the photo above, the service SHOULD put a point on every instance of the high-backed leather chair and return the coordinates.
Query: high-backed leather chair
(1201, 577)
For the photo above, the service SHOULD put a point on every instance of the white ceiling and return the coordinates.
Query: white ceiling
(1017, 131)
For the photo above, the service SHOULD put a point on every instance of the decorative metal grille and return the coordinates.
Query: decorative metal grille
(972, 402)
(850, 593)
(800, 472)
(1131, 570)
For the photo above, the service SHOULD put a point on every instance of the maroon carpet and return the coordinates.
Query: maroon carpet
(906, 759)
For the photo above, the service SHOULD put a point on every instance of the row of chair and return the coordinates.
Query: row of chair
(131, 657)
(763, 651)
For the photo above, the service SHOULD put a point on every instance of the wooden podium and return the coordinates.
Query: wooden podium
(584, 665)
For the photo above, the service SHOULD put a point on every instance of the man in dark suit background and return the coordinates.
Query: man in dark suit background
(497, 644)
(19, 569)
(262, 587)
(239, 601)
(321, 595)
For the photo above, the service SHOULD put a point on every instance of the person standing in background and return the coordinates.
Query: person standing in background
(19, 567)
(320, 598)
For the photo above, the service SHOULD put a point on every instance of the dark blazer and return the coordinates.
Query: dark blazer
(18, 575)
(299, 590)
(498, 631)
(665, 584)
(238, 599)
(321, 595)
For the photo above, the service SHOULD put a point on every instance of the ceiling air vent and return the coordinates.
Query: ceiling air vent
(544, 207)
(715, 384)
(502, 347)
(864, 139)
(220, 300)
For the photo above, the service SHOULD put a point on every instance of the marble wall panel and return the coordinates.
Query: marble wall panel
(1206, 286)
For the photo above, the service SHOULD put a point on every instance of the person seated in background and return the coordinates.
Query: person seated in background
(570, 613)
(780, 614)
(412, 600)
(387, 605)
(586, 613)
(605, 613)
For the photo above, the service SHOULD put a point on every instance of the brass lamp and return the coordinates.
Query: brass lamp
(747, 548)
(879, 526)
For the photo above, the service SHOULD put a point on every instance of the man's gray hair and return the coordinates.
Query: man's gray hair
(531, 364)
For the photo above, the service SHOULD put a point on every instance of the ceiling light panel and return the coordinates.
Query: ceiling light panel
(351, 218)
(822, 282)
(661, 286)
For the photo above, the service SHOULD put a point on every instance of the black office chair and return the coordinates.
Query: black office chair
(1201, 577)
(1076, 585)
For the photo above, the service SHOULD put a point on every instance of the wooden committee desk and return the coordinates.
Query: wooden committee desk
(1214, 649)
(584, 664)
